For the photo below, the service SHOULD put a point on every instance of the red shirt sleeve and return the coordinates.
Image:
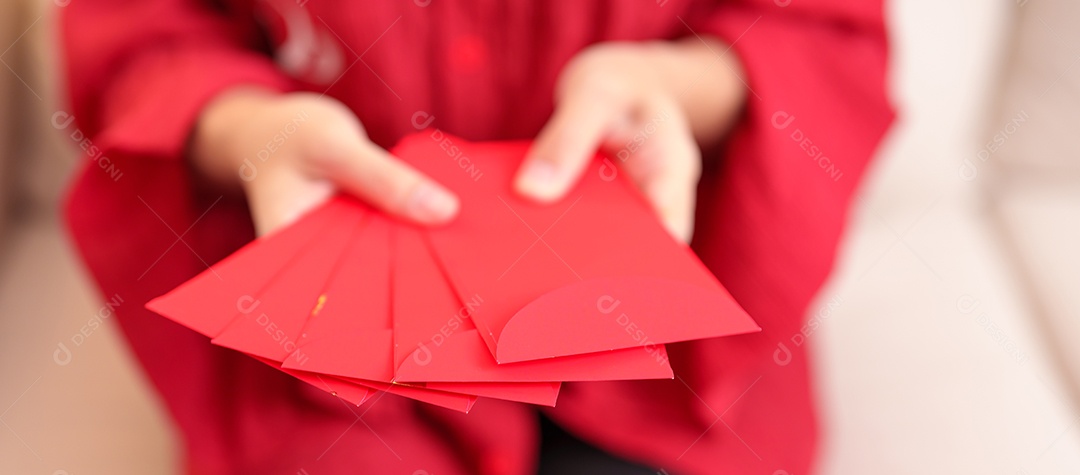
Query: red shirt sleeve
(815, 113)
(772, 204)
(139, 71)
(819, 63)
(138, 74)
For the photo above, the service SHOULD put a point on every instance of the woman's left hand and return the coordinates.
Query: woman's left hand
(649, 106)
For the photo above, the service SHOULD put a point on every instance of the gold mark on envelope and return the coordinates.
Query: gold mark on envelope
(318, 305)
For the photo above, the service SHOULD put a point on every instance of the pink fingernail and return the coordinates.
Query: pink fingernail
(538, 179)
(430, 203)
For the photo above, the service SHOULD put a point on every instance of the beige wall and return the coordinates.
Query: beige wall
(37, 160)
(93, 414)
(1032, 162)
(9, 20)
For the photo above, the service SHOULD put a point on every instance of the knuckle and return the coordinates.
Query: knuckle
(598, 84)
(594, 80)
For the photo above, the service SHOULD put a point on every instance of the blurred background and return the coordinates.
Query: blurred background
(944, 342)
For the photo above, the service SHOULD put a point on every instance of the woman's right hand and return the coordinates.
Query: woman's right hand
(291, 152)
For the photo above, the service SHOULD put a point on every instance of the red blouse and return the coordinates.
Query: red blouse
(772, 204)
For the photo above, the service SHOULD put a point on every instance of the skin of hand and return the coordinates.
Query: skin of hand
(648, 104)
(291, 152)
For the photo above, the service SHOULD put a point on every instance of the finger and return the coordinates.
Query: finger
(564, 147)
(380, 179)
(673, 196)
(278, 199)
(667, 168)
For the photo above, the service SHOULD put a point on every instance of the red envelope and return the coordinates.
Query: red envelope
(348, 334)
(211, 300)
(262, 279)
(270, 325)
(350, 391)
(450, 400)
(564, 292)
(436, 340)
(214, 298)
(359, 391)
(594, 272)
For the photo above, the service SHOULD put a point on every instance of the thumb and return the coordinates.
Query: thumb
(564, 148)
(370, 173)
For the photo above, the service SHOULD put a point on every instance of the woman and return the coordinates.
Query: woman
(747, 124)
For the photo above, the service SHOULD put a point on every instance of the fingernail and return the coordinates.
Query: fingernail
(538, 179)
(430, 203)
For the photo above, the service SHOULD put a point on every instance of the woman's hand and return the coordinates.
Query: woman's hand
(290, 152)
(648, 105)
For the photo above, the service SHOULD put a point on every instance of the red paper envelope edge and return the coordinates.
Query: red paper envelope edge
(272, 322)
(349, 334)
(211, 300)
(359, 391)
(541, 393)
(595, 307)
(209, 304)
(435, 339)
(349, 391)
(458, 402)
(573, 255)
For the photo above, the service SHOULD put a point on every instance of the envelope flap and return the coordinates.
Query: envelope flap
(611, 313)
(435, 340)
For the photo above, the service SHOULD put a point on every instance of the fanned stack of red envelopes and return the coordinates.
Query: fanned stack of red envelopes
(508, 301)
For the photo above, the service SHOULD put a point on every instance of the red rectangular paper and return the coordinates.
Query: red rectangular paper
(211, 300)
(435, 340)
(593, 272)
(348, 332)
(256, 300)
